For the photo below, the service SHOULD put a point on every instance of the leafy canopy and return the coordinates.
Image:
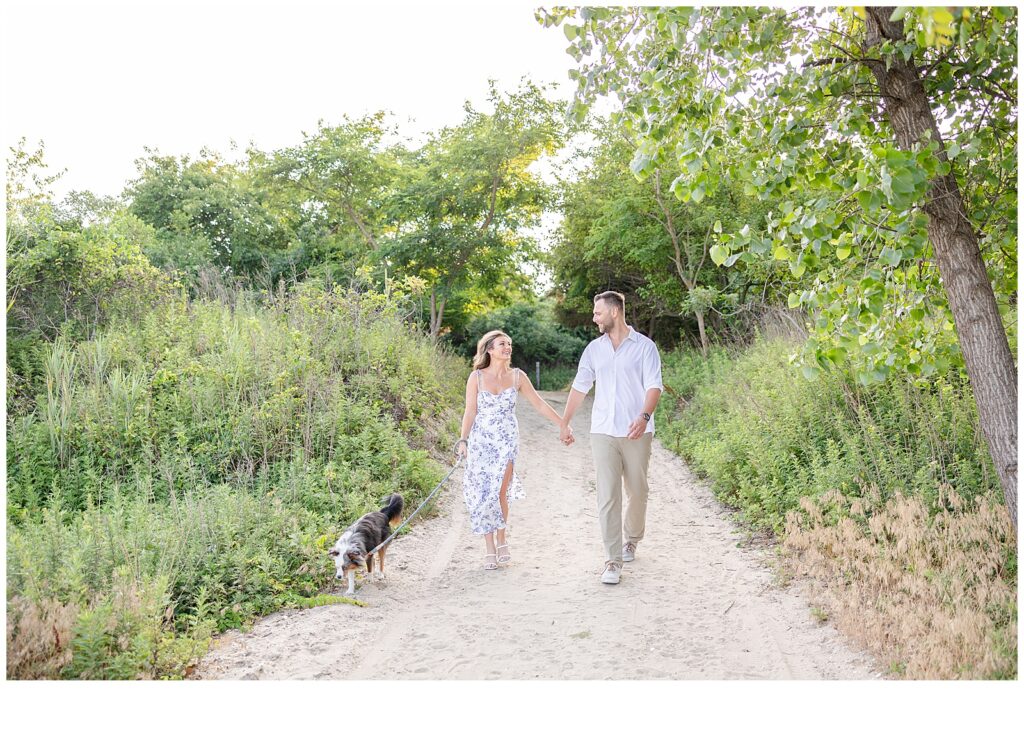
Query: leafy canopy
(777, 102)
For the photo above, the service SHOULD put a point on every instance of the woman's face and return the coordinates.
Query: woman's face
(501, 349)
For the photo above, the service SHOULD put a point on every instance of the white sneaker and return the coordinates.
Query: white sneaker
(612, 572)
(629, 551)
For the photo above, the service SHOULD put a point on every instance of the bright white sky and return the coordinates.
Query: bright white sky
(98, 81)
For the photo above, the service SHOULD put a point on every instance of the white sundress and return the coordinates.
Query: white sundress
(493, 443)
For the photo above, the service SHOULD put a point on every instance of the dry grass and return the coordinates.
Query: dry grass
(932, 596)
(38, 638)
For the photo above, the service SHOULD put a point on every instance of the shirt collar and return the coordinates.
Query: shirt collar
(632, 335)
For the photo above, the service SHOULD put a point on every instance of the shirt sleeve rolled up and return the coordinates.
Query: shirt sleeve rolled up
(651, 369)
(585, 375)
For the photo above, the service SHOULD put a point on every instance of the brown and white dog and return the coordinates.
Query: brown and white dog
(364, 535)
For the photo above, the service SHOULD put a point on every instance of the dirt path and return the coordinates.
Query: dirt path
(692, 606)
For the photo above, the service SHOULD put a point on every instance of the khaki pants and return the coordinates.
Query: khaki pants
(615, 459)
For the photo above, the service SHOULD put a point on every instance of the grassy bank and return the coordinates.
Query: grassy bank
(884, 495)
(184, 473)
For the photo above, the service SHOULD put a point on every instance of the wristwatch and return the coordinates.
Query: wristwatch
(647, 416)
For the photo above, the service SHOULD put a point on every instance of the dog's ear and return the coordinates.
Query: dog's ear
(333, 552)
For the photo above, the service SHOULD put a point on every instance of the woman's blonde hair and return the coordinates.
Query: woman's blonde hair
(482, 360)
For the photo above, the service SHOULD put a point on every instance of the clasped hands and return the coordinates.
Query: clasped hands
(566, 436)
(636, 429)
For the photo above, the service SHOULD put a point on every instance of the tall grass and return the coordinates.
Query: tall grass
(184, 473)
(861, 484)
(933, 594)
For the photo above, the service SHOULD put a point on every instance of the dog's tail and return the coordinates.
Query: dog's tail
(393, 508)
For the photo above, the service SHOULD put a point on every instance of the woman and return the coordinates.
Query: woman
(490, 438)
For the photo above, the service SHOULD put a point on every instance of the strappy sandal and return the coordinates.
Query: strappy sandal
(490, 565)
(505, 557)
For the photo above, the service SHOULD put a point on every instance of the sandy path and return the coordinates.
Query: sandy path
(692, 606)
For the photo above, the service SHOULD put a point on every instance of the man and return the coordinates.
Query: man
(627, 368)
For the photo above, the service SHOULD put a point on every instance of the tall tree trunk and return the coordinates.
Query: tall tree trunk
(703, 334)
(436, 314)
(972, 301)
(689, 282)
(360, 225)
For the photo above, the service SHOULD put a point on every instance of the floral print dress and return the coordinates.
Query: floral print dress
(493, 443)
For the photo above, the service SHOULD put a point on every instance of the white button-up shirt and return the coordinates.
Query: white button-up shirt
(623, 378)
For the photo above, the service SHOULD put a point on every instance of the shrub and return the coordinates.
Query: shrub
(766, 436)
(184, 473)
(206, 394)
(38, 634)
(76, 280)
(535, 335)
(885, 495)
(934, 596)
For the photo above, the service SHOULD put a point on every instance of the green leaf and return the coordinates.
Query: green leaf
(890, 256)
(843, 252)
(794, 300)
(837, 354)
(759, 246)
(719, 254)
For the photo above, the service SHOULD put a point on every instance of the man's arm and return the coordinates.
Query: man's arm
(652, 383)
(580, 387)
(571, 406)
(639, 426)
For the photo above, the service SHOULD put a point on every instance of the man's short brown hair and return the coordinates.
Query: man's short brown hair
(614, 299)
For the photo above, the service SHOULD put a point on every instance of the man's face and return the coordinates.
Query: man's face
(604, 316)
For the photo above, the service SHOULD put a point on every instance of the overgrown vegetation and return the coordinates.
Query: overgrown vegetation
(184, 472)
(536, 338)
(885, 493)
(184, 436)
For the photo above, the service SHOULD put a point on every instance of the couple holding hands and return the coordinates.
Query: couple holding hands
(626, 367)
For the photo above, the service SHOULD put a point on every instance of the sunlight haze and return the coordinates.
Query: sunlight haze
(105, 80)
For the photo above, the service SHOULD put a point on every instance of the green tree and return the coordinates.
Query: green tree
(334, 186)
(889, 137)
(206, 207)
(629, 234)
(70, 265)
(536, 335)
(468, 195)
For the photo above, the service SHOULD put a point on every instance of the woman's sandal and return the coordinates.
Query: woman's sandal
(505, 557)
(490, 565)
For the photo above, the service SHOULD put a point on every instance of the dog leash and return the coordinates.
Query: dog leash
(440, 484)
